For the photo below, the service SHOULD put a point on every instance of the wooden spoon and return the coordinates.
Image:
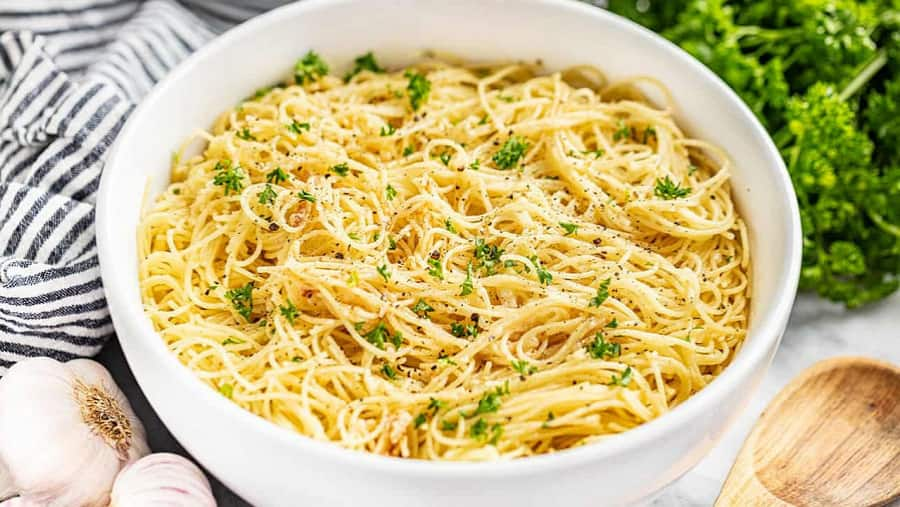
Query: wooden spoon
(831, 437)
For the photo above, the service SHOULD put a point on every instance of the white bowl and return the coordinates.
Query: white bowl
(268, 465)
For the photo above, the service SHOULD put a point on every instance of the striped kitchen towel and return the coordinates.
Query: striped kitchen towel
(71, 71)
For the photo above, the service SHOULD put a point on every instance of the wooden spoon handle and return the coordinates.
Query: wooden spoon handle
(742, 487)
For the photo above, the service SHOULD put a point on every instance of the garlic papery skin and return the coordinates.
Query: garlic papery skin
(7, 488)
(65, 432)
(18, 502)
(162, 479)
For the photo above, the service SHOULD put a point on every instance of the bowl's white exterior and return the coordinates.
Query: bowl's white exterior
(270, 466)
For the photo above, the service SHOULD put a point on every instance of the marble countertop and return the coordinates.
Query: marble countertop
(817, 330)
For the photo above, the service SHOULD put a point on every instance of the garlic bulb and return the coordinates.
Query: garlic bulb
(162, 479)
(18, 502)
(65, 432)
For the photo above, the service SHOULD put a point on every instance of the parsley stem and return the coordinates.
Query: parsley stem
(869, 69)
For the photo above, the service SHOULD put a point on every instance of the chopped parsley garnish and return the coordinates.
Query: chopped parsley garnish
(419, 420)
(242, 300)
(523, 367)
(544, 276)
(449, 225)
(444, 358)
(245, 134)
(387, 130)
(268, 195)
(377, 335)
(570, 228)
(232, 341)
(354, 236)
(668, 189)
(397, 339)
(622, 381)
(623, 131)
(296, 127)
(496, 433)
(383, 271)
(341, 169)
(506, 98)
(490, 402)
(692, 169)
(475, 165)
(309, 68)
(478, 431)
(418, 89)
(483, 120)
(602, 294)
(597, 153)
(392, 244)
(229, 176)
(602, 349)
(489, 255)
(422, 309)
(389, 371)
(306, 196)
(227, 390)
(445, 157)
(461, 330)
(276, 176)
(550, 417)
(390, 192)
(262, 92)
(435, 405)
(436, 269)
(289, 311)
(648, 133)
(510, 153)
(467, 283)
(449, 425)
(613, 324)
(408, 151)
(364, 62)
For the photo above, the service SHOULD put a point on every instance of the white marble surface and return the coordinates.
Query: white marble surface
(817, 330)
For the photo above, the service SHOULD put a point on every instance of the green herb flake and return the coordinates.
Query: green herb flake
(602, 349)
(570, 228)
(467, 285)
(622, 381)
(383, 271)
(419, 420)
(242, 300)
(245, 134)
(276, 176)
(623, 131)
(449, 425)
(418, 89)
(544, 276)
(387, 130)
(523, 367)
(377, 335)
(309, 68)
(289, 311)
(341, 169)
(390, 192)
(445, 157)
(408, 151)
(475, 165)
(510, 153)
(232, 341)
(449, 225)
(268, 195)
(306, 196)
(297, 127)
(435, 268)
(668, 189)
(364, 62)
(422, 309)
(602, 294)
(389, 371)
(229, 176)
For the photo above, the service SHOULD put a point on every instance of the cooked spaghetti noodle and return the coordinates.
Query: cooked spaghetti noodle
(451, 263)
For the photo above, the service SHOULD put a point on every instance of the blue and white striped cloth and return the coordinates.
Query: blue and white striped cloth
(71, 71)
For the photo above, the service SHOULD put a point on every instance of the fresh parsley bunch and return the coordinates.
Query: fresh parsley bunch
(823, 76)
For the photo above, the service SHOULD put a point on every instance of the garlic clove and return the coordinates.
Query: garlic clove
(162, 479)
(65, 431)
